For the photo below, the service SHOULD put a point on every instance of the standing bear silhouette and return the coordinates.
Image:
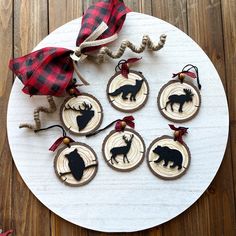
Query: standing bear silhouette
(167, 155)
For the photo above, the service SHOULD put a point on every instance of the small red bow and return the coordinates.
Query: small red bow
(121, 124)
(57, 143)
(179, 132)
(125, 66)
(6, 233)
(188, 73)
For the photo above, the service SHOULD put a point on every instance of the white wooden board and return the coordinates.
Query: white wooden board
(116, 201)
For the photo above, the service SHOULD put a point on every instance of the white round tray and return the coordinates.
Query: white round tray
(136, 200)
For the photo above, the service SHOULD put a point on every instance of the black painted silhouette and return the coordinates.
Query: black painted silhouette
(167, 155)
(123, 150)
(180, 99)
(86, 114)
(76, 165)
(128, 89)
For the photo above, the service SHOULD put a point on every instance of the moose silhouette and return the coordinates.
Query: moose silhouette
(180, 99)
(167, 155)
(76, 165)
(128, 89)
(86, 114)
(123, 150)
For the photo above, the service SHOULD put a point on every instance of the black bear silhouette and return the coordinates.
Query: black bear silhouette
(180, 99)
(128, 89)
(86, 114)
(123, 150)
(167, 155)
(76, 165)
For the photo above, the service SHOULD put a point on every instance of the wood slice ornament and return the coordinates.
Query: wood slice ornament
(124, 150)
(169, 157)
(179, 100)
(81, 114)
(127, 90)
(76, 164)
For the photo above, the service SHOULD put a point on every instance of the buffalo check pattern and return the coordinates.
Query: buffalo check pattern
(48, 71)
(113, 13)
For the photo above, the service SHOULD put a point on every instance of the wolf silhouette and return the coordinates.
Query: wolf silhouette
(128, 89)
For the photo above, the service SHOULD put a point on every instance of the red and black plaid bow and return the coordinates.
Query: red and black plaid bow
(49, 70)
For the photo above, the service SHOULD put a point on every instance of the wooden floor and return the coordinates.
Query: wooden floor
(211, 23)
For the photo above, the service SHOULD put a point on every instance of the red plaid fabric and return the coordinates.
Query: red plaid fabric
(49, 70)
(113, 13)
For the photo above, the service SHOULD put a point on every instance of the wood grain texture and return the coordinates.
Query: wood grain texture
(29, 216)
(6, 42)
(204, 17)
(219, 20)
(229, 34)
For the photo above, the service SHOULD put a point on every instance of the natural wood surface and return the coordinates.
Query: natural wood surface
(211, 23)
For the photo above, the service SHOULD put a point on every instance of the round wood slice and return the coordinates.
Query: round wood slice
(61, 164)
(166, 172)
(118, 80)
(190, 109)
(69, 116)
(135, 155)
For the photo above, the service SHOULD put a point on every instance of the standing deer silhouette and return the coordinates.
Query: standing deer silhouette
(123, 150)
(86, 114)
(180, 99)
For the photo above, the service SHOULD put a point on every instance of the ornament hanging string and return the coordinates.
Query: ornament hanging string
(120, 125)
(123, 66)
(186, 72)
(64, 138)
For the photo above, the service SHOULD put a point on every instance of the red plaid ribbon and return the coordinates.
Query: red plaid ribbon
(49, 70)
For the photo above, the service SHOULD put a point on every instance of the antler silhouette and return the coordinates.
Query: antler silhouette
(87, 107)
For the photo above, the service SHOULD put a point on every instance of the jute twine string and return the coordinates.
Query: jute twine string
(52, 108)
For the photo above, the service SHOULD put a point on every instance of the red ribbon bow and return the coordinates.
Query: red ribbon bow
(121, 124)
(48, 71)
(179, 132)
(125, 66)
(188, 73)
(6, 233)
(57, 143)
